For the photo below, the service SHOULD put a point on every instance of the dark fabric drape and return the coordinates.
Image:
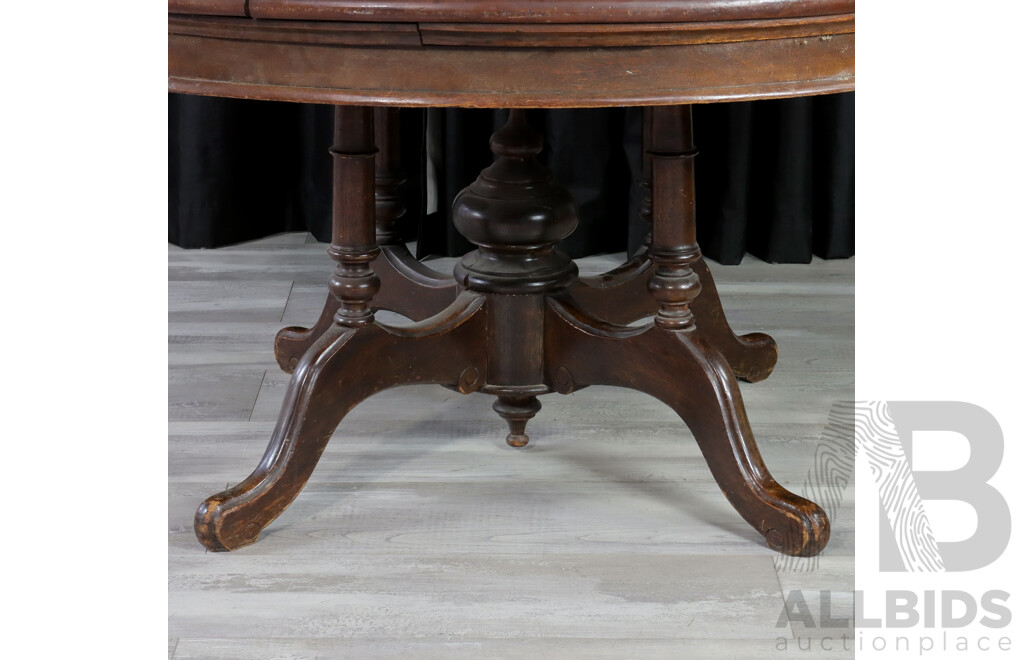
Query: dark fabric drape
(774, 178)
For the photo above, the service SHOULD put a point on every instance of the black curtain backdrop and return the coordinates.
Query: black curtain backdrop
(774, 178)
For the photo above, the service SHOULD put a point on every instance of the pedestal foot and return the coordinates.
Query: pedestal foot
(517, 412)
(687, 373)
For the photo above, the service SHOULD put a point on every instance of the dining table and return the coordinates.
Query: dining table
(514, 320)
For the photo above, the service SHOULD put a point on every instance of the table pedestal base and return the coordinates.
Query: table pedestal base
(517, 322)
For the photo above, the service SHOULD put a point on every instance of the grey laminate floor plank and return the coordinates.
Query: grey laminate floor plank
(203, 344)
(331, 648)
(487, 596)
(829, 610)
(228, 301)
(422, 535)
(213, 393)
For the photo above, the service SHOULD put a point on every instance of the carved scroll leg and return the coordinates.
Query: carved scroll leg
(681, 369)
(344, 367)
(408, 287)
(619, 296)
(292, 342)
(752, 356)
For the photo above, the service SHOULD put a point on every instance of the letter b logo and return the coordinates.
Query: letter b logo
(884, 431)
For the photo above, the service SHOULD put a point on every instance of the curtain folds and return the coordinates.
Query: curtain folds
(774, 178)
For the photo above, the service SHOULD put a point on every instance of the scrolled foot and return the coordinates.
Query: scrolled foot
(802, 532)
(292, 342)
(752, 356)
(220, 532)
(233, 518)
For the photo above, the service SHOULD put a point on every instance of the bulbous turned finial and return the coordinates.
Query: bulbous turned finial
(515, 214)
(516, 139)
(517, 411)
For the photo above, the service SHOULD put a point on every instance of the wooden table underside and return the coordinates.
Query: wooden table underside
(502, 65)
(515, 321)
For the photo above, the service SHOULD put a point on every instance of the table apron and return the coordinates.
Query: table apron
(489, 77)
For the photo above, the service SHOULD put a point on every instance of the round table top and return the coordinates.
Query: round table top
(528, 53)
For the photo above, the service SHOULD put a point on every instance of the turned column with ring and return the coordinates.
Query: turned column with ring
(674, 227)
(354, 242)
(515, 214)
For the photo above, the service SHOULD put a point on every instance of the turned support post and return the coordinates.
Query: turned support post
(354, 242)
(389, 177)
(646, 181)
(515, 213)
(674, 228)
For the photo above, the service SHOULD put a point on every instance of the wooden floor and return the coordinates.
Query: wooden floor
(421, 535)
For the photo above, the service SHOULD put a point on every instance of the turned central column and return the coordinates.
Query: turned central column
(515, 214)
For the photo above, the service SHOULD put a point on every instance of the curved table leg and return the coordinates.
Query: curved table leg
(752, 356)
(291, 343)
(621, 297)
(684, 371)
(343, 367)
(407, 287)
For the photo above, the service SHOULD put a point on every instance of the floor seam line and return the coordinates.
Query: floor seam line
(287, 299)
(258, 390)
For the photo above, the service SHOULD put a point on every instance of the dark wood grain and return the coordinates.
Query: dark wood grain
(209, 7)
(387, 64)
(544, 11)
(299, 32)
(516, 332)
(603, 35)
(409, 287)
(751, 356)
(619, 296)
